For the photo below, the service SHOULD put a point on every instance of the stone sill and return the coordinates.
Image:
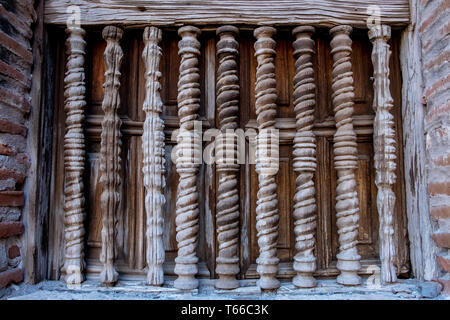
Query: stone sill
(327, 289)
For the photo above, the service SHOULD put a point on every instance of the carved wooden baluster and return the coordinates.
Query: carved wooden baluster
(267, 217)
(227, 217)
(345, 157)
(384, 145)
(110, 153)
(305, 208)
(74, 156)
(187, 193)
(153, 163)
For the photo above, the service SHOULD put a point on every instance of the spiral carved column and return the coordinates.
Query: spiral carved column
(187, 210)
(385, 147)
(267, 217)
(74, 156)
(153, 162)
(345, 157)
(305, 208)
(110, 153)
(227, 216)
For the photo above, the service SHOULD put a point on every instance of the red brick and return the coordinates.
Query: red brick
(441, 160)
(11, 198)
(440, 212)
(7, 126)
(6, 150)
(15, 74)
(439, 188)
(444, 262)
(438, 61)
(442, 239)
(9, 229)
(18, 24)
(445, 30)
(445, 286)
(22, 158)
(440, 84)
(13, 252)
(14, 46)
(434, 15)
(9, 174)
(15, 100)
(10, 276)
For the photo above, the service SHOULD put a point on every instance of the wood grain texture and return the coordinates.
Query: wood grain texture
(74, 156)
(420, 225)
(227, 208)
(131, 242)
(385, 149)
(154, 148)
(324, 13)
(110, 160)
(304, 153)
(187, 211)
(267, 216)
(345, 157)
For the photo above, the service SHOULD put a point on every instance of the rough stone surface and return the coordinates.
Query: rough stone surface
(132, 290)
(430, 289)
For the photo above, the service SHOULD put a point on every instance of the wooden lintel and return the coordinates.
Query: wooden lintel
(319, 13)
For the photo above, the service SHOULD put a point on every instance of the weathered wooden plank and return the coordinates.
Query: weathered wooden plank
(325, 13)
(423, 249)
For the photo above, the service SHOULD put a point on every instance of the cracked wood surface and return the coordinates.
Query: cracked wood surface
(323, 13)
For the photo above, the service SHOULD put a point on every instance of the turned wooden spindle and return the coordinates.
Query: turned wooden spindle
(267, 216)
(345, 157)
(305, 208)
(74, 156)
(227, 209)
(187, 210)
(153, 162)
(385, 149)
(110, 153)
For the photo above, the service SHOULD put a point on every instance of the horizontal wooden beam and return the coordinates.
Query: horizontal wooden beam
(134, 13)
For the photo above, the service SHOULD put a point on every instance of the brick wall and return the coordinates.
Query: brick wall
(16, 61)
(434, 31)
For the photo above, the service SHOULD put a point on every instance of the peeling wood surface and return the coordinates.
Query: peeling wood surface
(423, 249)
(385, 147)
(153, 166)
(110, 160)
(325, 13)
